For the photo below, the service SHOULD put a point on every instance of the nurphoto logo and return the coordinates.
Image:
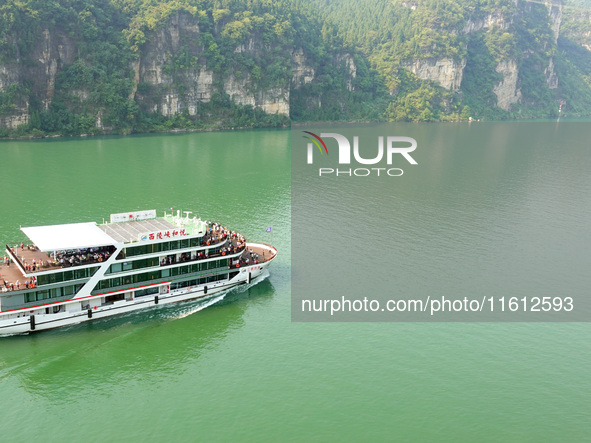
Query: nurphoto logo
(394, 145)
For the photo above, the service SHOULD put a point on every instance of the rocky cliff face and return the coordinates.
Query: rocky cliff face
(167, 89)
(551, 76)
(448, 73)
(272, 100)
(445, 71)
(495, 19)
(10, 75)
(18, 116)
(176, 71)
(351, 68)
(187, 89)
(37, 73)
(50, 53)
(506, 90)
(303, 73)
(173, 74)
(555, 14)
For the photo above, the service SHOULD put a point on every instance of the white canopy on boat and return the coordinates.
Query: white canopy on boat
(68, 236)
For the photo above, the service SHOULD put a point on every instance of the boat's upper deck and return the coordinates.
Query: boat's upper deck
(82, 244)
(148, 229)
(32, 260)
(128, 232)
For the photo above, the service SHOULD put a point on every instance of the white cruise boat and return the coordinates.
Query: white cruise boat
(83, 271)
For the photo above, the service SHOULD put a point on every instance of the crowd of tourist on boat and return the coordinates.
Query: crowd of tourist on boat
(16, 286)
(232, 243)
(216, 233)
(6, 286)
(82, 256)
(251, 257)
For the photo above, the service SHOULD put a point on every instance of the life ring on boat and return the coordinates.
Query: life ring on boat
(237, 265)
(224, 253)
(100, 259)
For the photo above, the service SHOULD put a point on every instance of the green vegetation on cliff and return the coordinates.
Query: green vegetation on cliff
(131, 66)
(508, 50)
(93, 66)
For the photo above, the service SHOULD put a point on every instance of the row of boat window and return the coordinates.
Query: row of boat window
(131, 265)
(159, 247)
(65, 291)
(58, 277)
(45, 294)
(147, 291)
(76, 274)
(164, 273)
(147, 263)
(198, 281)
(197, 267)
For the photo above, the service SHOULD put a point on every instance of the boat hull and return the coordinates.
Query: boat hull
(75, 312)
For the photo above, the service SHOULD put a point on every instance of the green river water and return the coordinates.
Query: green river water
(241, 370)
